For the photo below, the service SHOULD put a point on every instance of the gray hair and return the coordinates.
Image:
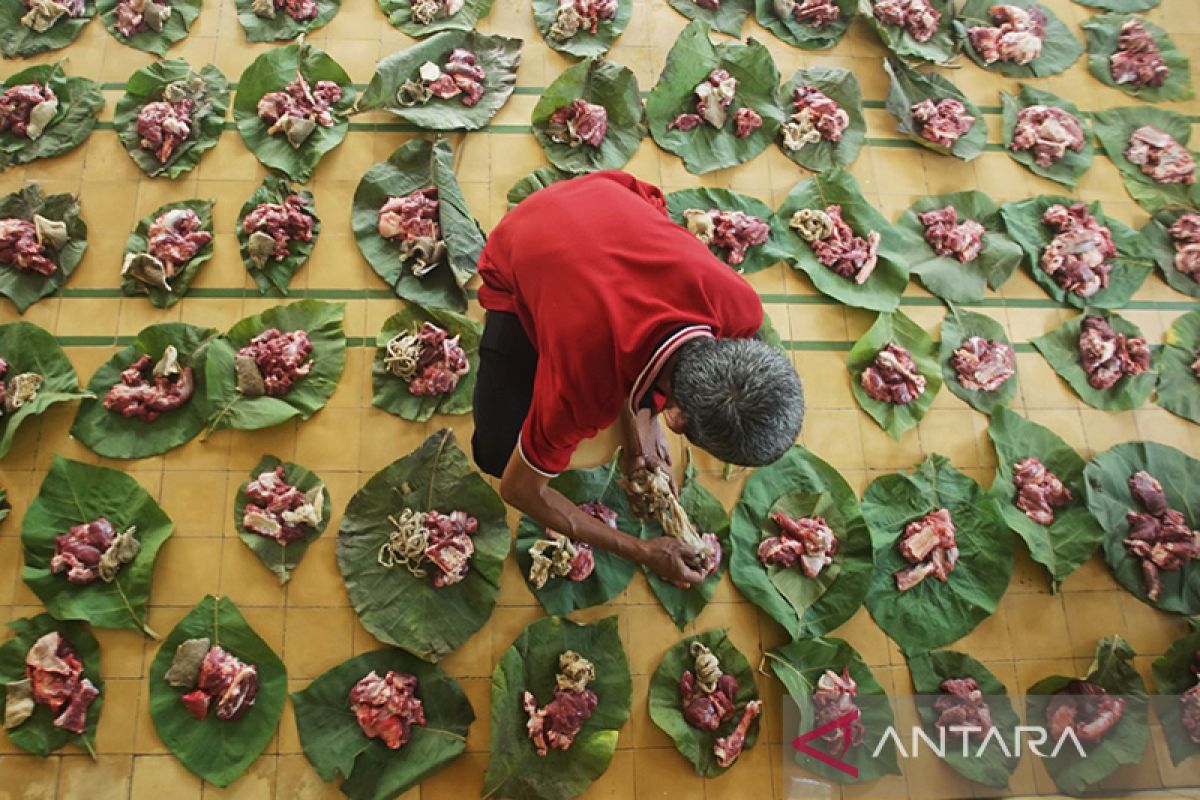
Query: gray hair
(741, 399)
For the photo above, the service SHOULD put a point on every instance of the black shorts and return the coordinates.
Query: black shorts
(503, 390)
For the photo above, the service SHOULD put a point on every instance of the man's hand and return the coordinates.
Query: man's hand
(666, 556)
(645, 445)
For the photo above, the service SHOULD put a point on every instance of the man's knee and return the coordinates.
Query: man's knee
(490, 457)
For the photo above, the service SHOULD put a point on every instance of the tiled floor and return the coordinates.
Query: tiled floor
(310, 624)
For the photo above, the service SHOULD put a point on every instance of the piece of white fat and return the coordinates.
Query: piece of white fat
(311, 512)
(40, 117)
(430, 71)
(18, 703)
(50, 232)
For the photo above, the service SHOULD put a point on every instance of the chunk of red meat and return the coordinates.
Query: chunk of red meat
(833, 699)
(271, 496)
(1137, 59)
(707, 710)
(175, 238)
(1047, 131)
(557, 725)
(1108, 356)
(807, 540)
(441, 364)
(578, 122)
(282, 358)
(78, 551)
(961, 704)
(747, 121)
(735, 232)
(17, 104)
(449, 545)
(232, 683)
(593, 12)
(74, 717)
(1039, 491)
(844, 251)
(1077, 256)
(1160, 157)
(411, 216)
(893, 377)
(1148, 492)
(685, 122)
(299, 10)
(137, 16)
(1160, 535)
(812, 13)
(299, 100)
(387, 708)
(55, 673)
(1185, 235)
(196, 702)
(1015, 35)
(949, 237)
(21, 250)
(146, 396)
(824, 114)
(728, 748)
(983, 364)
(942, 123)
(713, 96)
(284, 222)
(161, 127)
(1086, 708)
(468, 75)
(917, 17)
(929, 545)
(1190, 716)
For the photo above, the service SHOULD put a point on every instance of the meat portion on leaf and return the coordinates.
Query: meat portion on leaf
(983, 365)
(1015, 35)
(574, 16)
(1108, 356)
(30, 246)
(1190, 700)
(1160, 157)
(1039, 491)
(428, 538)
(815, 14)
(280, 511)
(808, 541)
(917, 17)
(226, 680)
(960, 704)
(1086, 708)
(149, 389)
(816, 117)
(27, 109)
(272, 227)
(1077, 258)
(943, 123)
(387, 708)
(928, 544)
(893, 377)
(425, 12)
(1185, 235)
(42, 15)
(735, 232)
(714, 95)
(18, 390)
(728, 748)
(949, 237)
(462, 76)
(1048, 132)
(138, 16)
(413, 220)
(272, 362)
(163, 125)
(93, 551)
(835, 243)
(706, 694)
(299, 10)
(834, 699)
(173, 239)
(428, 359)
(578, 122)
(1158, 535)
(558, 723)
(1137, 59)
(559, 556)
(55, 676)
(299, 109)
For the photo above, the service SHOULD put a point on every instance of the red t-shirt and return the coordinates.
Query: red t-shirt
(607, 287)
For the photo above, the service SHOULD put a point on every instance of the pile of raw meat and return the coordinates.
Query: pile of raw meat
(138, 16)
(816, 117)
(44, 14)
(808, 541)
(983, 365)
(429, 537)
(387, 708)
(149, 389)
(280, 511)
(28, 246)
(558, 723)
(53, 678)
(173, 240)
(943, 123)
(18, 390)
(27, 109)
(299, 10)
(273, 362)
(708, 699)
(735, 232)
(413, 220)
(1137, 59)
(834, 699)
(1108, 356)
(1039, 491)
(1086, 708)
(652, 496)
(949, 237)
(1185, 235)
(835, 244)
(426, 11)
(299, 109)
(1158, 535)
(430, 361)
(1077, 256)
(211, 673)
(578, 122)
(93, 551)
(559, 556)
(917, 17)
(810, 13)
(714, 95)
(461, 75)
(165, 124)
(928, 544)
(581, 15)
(271, 227)
(893, 377)
(1191, 703)
(1047, 131)
(1015, 35)
(1160, 157)
(960, 704)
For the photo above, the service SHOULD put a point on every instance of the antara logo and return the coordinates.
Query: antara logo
(844, 723)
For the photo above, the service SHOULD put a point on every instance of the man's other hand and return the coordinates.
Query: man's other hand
(646, 446)
(667, 557)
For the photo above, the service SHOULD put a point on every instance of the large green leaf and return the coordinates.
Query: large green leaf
(692, 57)
(1113, 670)
(38, 734)
(1102, 32)
(1129, 269)
(991, 766)
(391, 393)
(280, 558)
(1121, 5)
(419, 164)
(1174, 674)
(1068, 168)
(1156, 238)
(1060, 48)
(138, 242)
(274, 276)
(1109, 499)
(946, 276)
(114, 435)
(79, 104)
(26, 287)
(612, 573)
(399, 14)
(909, 87)
(895, 418)
(583, 44)
(940, 49)
(208, 115)
(74, 493)
(728, 17)
(498, 55)
(604, 83)
(824, 607)
(19, 41)
(708, 516)
(799, 666)
(1071, 539)
(395, 606)
(666, 710)
(758, 257)
(1114, 127)
(540, 178)
(219, 751)
(230, 409)
(1178, 383)
(272, 72)
(957, 327)
(28, 348)
(283, 26)
(882, 290)
(514, 769)
(807, 37)
(842, 87)
(1060, 347)
(175, 29)
(933, 613)
(334, 742)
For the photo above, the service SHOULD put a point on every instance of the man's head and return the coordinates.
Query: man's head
(739, 399)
